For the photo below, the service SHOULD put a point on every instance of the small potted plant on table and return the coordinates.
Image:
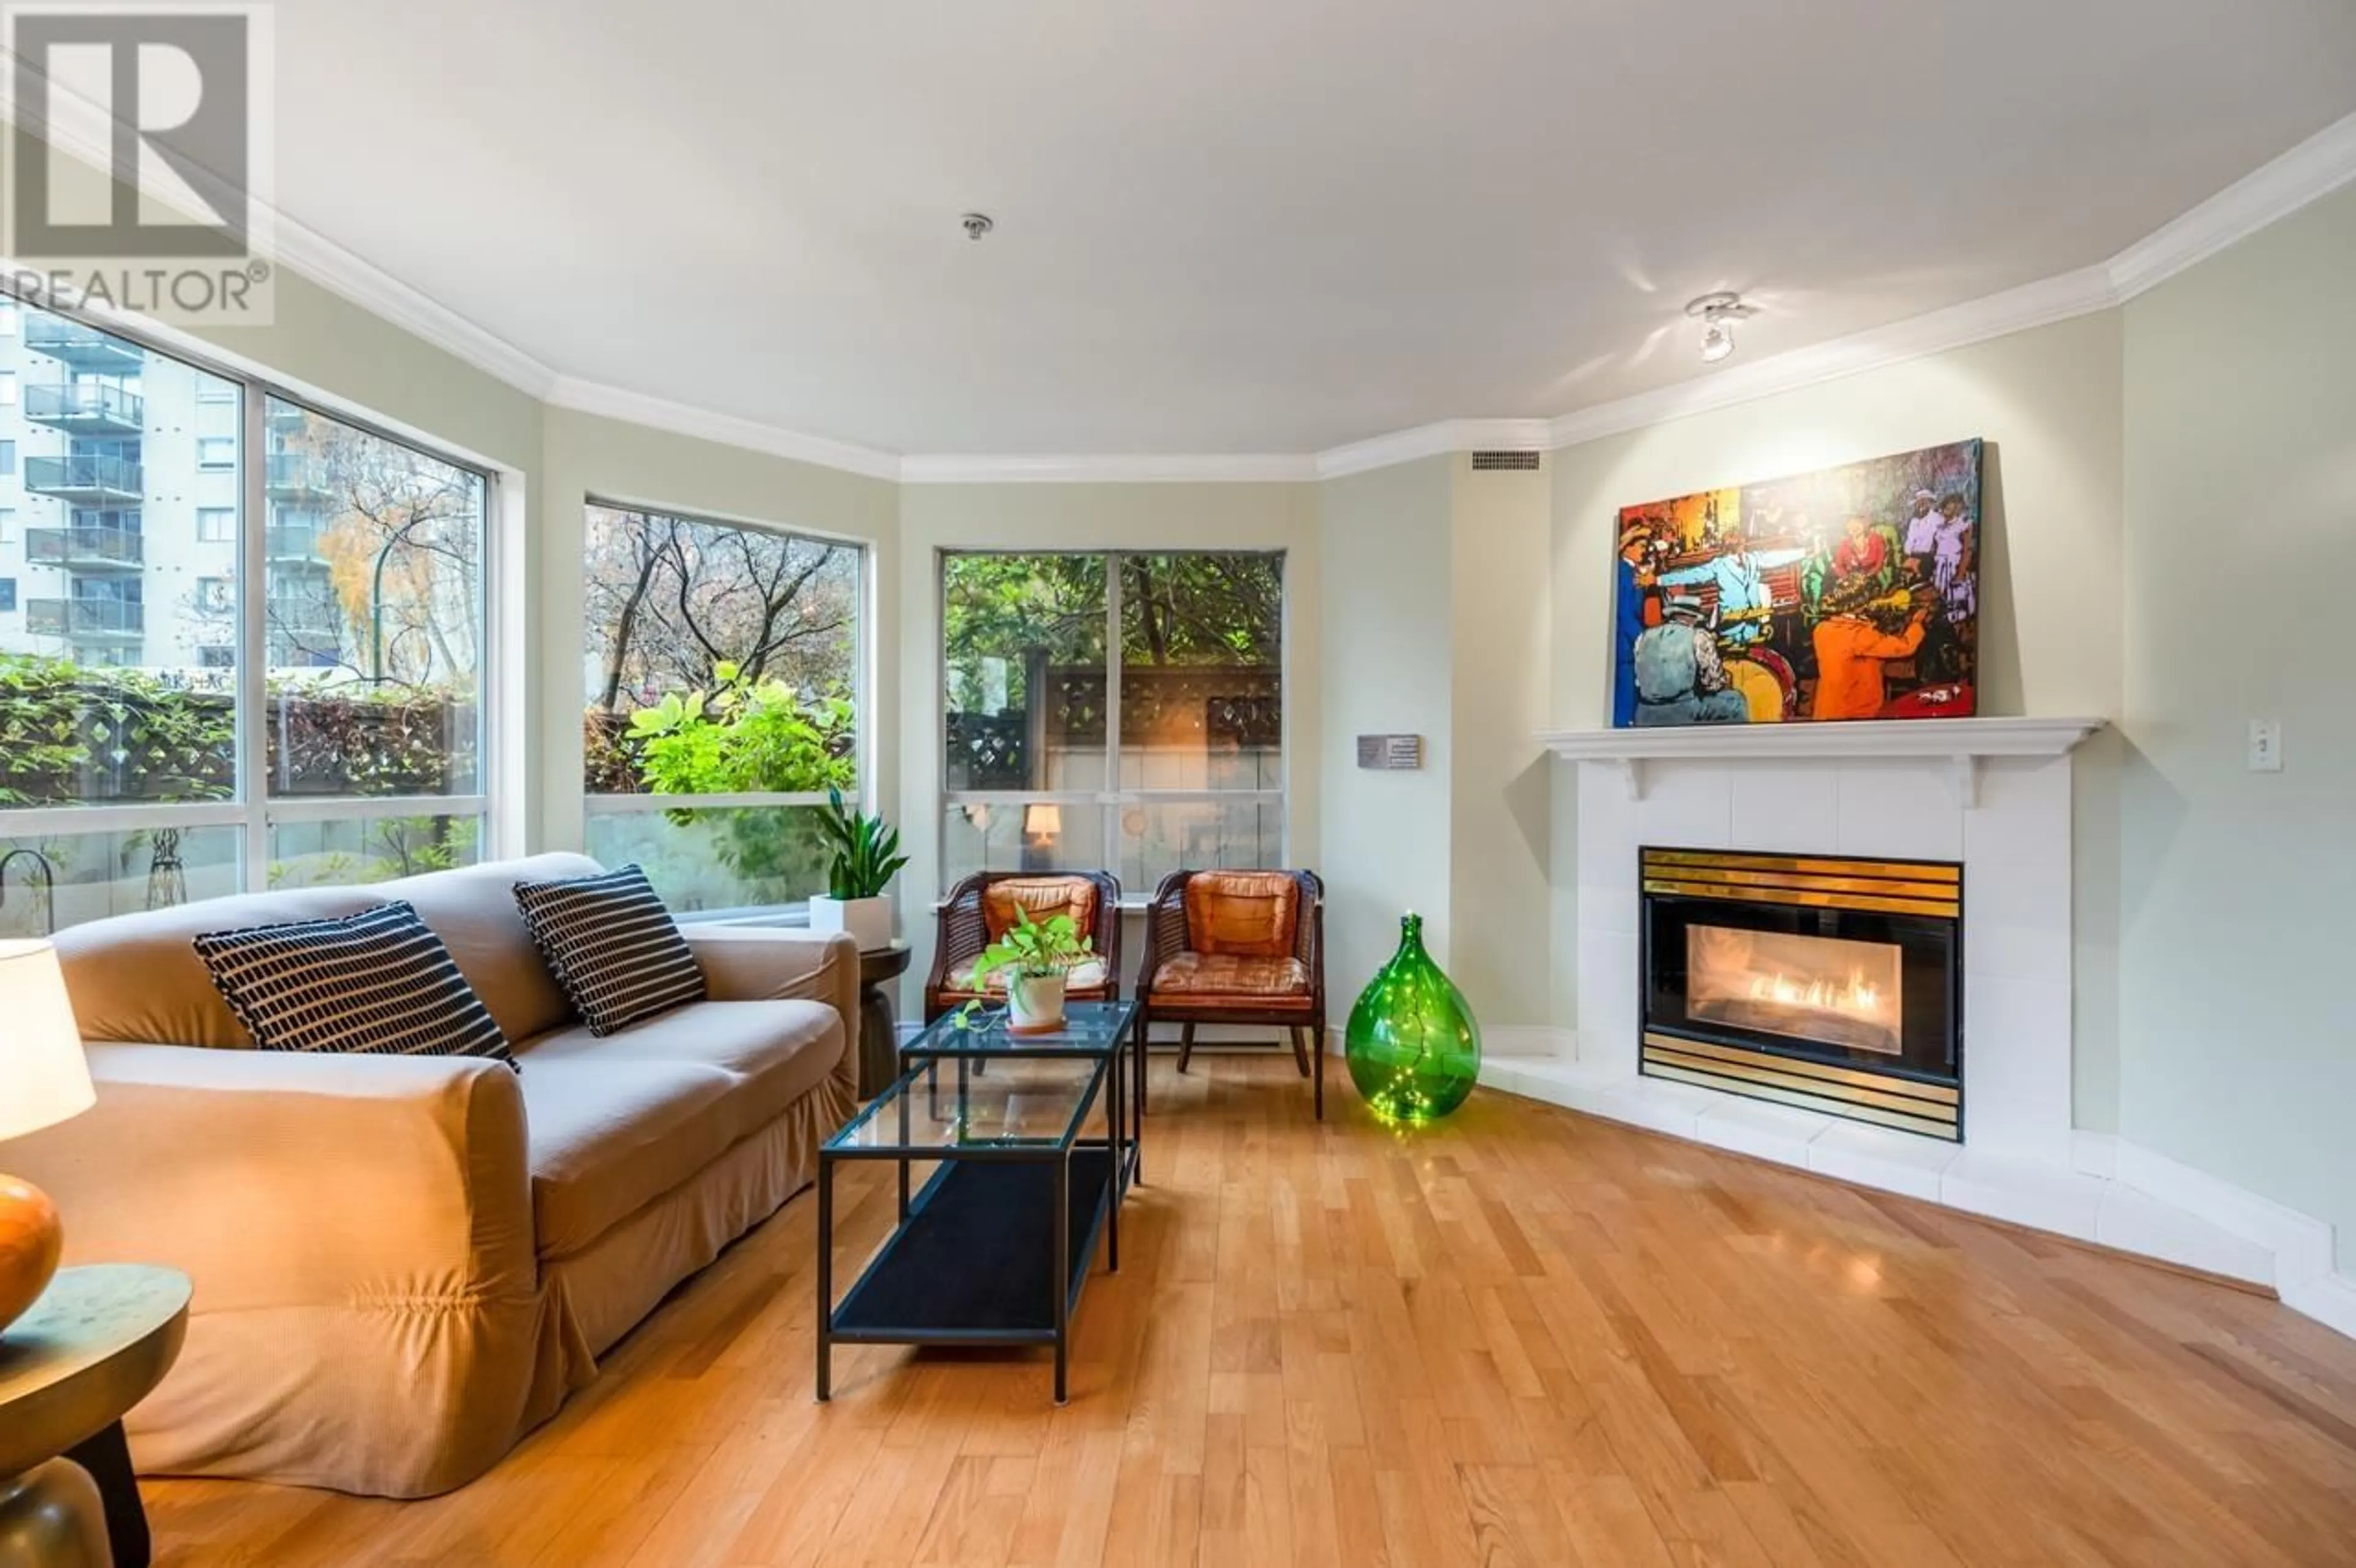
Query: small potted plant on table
(1038, 956)
(866, 858)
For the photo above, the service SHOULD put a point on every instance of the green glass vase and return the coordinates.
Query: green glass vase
(1413, 1048)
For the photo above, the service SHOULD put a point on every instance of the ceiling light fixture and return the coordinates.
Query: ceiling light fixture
(1718, 313)
(976, 224)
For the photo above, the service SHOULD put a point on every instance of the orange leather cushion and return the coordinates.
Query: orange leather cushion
(1042, 898)
(1250, 915)
(1226, 979)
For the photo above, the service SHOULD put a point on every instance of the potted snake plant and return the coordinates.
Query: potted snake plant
(866, 856)
(1039, 957)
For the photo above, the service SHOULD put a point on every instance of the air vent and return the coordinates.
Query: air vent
(1520, 462)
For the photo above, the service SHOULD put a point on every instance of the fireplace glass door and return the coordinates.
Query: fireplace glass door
(1802, 988)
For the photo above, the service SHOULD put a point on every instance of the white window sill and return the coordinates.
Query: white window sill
(794, 916)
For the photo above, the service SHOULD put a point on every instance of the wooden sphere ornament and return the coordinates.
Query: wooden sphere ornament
(30, 1241)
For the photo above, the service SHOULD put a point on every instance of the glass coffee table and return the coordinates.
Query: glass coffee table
(1091, 1031)
(994, 1246)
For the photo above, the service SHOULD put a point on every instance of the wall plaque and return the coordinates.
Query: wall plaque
(1390, 752)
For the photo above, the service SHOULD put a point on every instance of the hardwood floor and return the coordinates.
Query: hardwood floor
(1523, 1338)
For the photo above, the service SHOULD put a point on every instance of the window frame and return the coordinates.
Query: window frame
(1111, 802)
(251, 809)
(863, 684)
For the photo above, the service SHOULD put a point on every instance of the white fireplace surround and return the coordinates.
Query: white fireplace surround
(1993, 794)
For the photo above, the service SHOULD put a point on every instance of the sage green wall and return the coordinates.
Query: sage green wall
(2048, 402)
(1386, 585)
(587, 455)
(2239, 1021)
(1501, 779)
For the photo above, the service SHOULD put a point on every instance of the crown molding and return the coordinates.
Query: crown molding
(2315, 167)
(2313, 170)
(1432, 440)
(683, 418)
(2039, 304)
(316, 258)
(87, 131)
(1241, 468)
(2310, 171)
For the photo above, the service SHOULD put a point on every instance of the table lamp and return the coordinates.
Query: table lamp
(43, 1079)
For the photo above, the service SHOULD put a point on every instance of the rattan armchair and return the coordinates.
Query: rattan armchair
(980, 908)
(1238, 947)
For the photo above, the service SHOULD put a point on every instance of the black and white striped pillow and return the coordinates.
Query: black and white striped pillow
(378, 982)
(615, 950)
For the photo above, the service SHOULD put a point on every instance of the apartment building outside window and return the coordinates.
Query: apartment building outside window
(721, 673)
(1121, 711)
(201, 729)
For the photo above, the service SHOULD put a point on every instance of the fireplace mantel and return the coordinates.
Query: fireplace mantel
(1963, 744)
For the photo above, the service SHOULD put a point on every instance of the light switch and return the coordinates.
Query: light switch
(2265, 745)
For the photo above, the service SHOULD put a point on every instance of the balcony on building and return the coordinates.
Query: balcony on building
(294, 544)
(85, 620)
(85, 408)
(84, 348)
(82, 547)
(87, 479)
(296, 477)
(307, 620)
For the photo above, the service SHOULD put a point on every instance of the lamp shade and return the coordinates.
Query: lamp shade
(1043, 820)
(44, 1078)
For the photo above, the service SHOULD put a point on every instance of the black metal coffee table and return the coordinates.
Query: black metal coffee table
(994, 1247)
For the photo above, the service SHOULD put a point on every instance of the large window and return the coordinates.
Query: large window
(722, 681)
(191, 704)
(1115, 712)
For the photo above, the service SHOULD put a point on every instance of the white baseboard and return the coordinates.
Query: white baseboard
(2112, 1193)
(2330, 1301)
(2302, 1244)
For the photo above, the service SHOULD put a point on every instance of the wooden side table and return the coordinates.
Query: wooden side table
(879, 1047)
(96, 1343)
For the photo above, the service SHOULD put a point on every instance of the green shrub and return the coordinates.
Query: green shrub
(747, 737)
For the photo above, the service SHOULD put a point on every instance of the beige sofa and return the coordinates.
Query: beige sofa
(403, 1264)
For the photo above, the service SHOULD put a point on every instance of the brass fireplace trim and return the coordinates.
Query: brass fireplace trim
(1882, 1082)
(1947, 1132)
(1758, 1081)
(1880, 887)
(1811, 865)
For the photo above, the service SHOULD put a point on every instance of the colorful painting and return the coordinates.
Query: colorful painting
(1849, 593)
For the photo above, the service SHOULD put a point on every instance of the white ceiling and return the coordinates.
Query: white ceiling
(1234, 226)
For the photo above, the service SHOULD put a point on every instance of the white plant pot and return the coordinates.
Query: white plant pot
(1034, 1001)
(869, 920)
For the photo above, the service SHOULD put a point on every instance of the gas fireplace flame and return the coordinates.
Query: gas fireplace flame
(1828, 990)
(1858, 996)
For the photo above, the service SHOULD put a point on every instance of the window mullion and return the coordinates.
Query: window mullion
(252, 636)
(1113, 781)
(1109, 812)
